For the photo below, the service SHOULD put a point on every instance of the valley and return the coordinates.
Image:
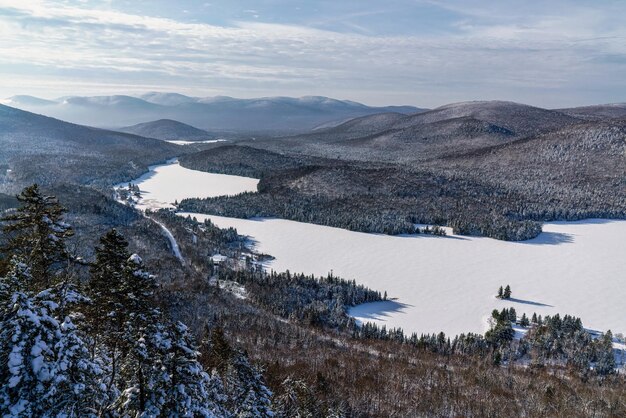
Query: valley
(312, 209)
(436, 283)
(312, 253)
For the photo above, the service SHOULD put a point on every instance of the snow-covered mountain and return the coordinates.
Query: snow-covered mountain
(168, 130)
(220, 113)
(597, 112)
(36, 148)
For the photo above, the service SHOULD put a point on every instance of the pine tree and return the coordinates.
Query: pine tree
(512, 315)
(534, 318)
(188, 390)
(605, 363)
(45, 367)
(37, 234)
(524, 320)
(507, 292)
(296, 399)
(217, 352)
(248, 396)
(122, 293)
(500, 293)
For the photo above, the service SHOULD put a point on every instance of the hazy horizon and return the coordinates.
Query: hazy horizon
(424, 53)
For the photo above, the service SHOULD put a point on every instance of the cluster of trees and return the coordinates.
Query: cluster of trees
(504, 293)
(376, 200)
(69, 348)
(564, 339)
(431, 230)
(549, 340)
(319, 210)
(318, 301)
(130, 193)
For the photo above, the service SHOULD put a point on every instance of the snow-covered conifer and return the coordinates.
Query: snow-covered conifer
(37, 234)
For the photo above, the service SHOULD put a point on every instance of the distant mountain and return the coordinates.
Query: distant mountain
(221, 113)
(167, 129)
(35, 148)
(597, 112)
(430, 134)
(23, 100)
(518, 118)
(167, 99)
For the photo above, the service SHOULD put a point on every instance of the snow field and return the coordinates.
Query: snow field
(434, 283)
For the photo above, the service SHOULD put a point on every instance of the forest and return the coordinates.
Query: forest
(185, 346)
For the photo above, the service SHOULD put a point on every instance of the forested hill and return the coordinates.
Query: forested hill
(168, 129)
(484, 168)
(456, 127)
(35, 148)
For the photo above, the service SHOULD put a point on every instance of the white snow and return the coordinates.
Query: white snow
(170, 237)
(166, 183)
(449, 283)
(435, 283)
(182, 142)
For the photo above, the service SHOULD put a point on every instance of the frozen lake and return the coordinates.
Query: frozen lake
(439, 283)
(166, 183)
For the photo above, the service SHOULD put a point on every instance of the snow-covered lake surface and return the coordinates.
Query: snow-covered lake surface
(448, 283)
(438, 283)
(166, 183)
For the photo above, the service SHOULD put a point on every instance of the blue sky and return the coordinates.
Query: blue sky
(420, 52)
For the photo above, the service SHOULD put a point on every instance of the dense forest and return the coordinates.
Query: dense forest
(383, 173)
(286, 349)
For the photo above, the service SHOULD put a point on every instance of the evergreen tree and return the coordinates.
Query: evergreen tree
(507, 292)
(37, 234)
(216, 353)
(296, 399)
(605, 363)
(45, 367)
(524, 320)
(248, 396)
(187, 389)
(500, 293)
(123, 306)
(512, 315)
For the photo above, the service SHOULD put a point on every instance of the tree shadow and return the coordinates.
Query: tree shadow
(550, 238)
(528, 302)
(377, 311)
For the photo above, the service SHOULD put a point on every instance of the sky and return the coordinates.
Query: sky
(420, 52)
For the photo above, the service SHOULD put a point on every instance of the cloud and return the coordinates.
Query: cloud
(74, 48)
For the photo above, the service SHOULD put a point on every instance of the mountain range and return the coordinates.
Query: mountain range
(276, 115)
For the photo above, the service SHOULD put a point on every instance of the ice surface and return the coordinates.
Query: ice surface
(449, 283)
(435, 283)
(164, 184)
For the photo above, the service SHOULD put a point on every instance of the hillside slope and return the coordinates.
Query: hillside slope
(167, 129)
(597, 112)
(457, 127)
(36, 148)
